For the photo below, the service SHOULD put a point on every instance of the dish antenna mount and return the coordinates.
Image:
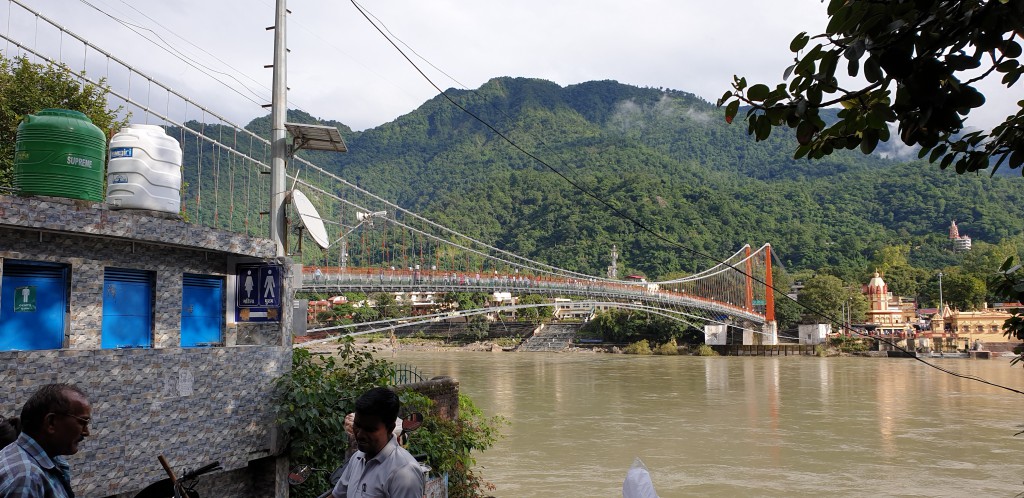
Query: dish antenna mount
(311, 137)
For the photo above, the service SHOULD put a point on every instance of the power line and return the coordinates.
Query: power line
(166, 47)
(617, 212)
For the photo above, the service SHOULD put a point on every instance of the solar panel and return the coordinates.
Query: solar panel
(315, 137)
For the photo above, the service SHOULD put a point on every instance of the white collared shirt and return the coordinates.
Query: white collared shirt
(392, 473)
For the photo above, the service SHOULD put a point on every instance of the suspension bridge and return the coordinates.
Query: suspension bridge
(378, 245)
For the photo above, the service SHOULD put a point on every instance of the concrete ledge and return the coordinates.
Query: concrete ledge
(58, 214)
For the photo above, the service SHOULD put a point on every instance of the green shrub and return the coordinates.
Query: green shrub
(705, 350)
(640, 347)
(849, 344)
(312, 401)
(449, 444)
(669, 348)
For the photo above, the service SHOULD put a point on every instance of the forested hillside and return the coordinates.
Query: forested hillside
(667, 159)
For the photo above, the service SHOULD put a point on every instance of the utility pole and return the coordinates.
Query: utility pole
(278, 134)
(278, 153)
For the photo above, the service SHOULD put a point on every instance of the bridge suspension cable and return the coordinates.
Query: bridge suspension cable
(223, 157)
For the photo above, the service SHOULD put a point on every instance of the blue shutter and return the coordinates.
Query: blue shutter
(33, 305)
(127, 308)
(202, 310)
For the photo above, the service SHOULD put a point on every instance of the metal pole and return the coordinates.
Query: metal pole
(278, 151)
(942, 319)
(279, 136)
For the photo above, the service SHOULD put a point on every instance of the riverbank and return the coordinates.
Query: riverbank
(379, 345)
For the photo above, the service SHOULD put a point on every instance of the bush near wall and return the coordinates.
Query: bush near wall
(315, 396)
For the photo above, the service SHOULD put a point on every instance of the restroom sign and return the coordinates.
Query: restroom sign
(258, 292)
(25, 299)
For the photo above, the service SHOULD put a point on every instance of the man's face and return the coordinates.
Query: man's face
(65, 430)
(371, 434)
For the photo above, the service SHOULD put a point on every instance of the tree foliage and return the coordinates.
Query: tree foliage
(313, 399)
(627, 326)
(541, 312)
(449, 444)
(825, 297)
(664, 160)
(27, 88)
(1008, 284)
(919, 62)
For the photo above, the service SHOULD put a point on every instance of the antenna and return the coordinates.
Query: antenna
(310, 218)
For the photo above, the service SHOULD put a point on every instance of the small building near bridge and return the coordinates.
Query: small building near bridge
(139, 310)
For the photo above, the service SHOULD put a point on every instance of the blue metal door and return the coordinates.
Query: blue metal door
(127, 308)
(202, 310)
(33, 305)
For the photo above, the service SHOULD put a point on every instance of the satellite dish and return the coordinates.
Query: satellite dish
(310, 218)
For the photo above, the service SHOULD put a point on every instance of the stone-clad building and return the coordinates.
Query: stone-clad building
(139, 309)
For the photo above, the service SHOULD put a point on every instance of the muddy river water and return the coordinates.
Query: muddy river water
(750, 426)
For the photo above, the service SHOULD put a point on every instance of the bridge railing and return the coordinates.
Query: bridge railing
(438, 281)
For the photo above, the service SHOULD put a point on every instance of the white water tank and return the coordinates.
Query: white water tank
(144, 171)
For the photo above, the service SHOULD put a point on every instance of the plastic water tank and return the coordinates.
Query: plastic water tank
(144, 171)
(59, 152)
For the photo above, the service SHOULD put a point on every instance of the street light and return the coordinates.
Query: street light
(363, 217)
(942, 319)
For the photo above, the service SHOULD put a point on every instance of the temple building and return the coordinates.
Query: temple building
(984, 325)
(960, 242)
(886, 313)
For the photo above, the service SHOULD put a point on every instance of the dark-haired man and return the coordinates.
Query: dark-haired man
(53, 421)
(381, 467)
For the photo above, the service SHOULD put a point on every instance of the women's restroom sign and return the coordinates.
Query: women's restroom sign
(258, 292)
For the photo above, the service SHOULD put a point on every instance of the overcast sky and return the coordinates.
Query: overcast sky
(341, 68)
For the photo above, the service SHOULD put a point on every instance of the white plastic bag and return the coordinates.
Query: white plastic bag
(638, 482)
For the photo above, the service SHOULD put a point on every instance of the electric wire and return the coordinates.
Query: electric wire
(614, 209)
(167, 47)
(636, 222)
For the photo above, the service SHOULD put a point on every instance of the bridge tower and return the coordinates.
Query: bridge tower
(771, 327)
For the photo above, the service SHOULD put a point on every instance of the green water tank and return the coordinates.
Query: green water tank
(60, 153)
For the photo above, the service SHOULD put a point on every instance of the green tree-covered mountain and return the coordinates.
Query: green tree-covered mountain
(668, 160)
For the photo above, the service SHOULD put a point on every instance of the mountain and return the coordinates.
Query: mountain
(666, 159)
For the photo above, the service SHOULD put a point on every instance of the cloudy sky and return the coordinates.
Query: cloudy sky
(341, 68)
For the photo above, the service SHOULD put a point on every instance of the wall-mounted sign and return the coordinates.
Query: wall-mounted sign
(25, 299)
(258, 292)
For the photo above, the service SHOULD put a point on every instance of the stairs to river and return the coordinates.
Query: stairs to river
(555, 337)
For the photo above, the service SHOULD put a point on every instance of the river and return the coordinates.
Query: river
(743, 426)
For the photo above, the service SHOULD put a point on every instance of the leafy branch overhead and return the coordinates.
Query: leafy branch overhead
(917, 64)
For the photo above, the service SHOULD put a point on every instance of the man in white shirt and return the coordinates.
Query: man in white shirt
(381, 468)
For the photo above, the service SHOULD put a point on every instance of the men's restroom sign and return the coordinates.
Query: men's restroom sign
(258, 293)
(25, 299)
